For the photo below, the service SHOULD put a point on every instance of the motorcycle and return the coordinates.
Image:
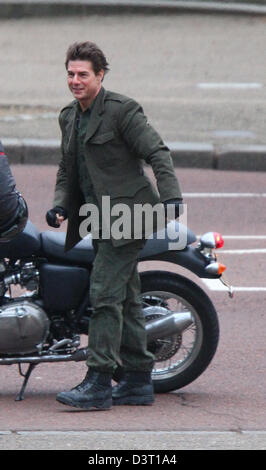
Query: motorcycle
(45, 322)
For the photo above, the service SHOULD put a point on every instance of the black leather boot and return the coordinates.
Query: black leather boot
(135, 388)
(93, 393)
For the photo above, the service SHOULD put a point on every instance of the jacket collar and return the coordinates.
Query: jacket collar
(96, 114)
(94, 121)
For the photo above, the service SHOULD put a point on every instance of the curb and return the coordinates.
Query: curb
(95, 441)
(37, 8)
(184, 154)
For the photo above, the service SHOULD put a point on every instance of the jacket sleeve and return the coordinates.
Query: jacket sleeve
(144, 141)
(8, 192)
(61, 187)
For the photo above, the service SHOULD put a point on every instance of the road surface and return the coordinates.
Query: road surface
(222, 409)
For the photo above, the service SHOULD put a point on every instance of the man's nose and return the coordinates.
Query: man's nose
(76, 78)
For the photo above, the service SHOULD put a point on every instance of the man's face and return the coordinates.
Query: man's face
(83, 83)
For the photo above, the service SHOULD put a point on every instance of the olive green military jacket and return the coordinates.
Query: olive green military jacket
(118, 141)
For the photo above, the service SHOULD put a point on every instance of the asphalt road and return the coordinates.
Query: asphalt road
(199, 77)
(222, 409)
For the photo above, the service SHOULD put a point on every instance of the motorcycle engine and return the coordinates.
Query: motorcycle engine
(24, 327)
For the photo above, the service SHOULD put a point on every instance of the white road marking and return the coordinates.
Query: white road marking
(241, 237)
(228, 86)
(244, 237)
(242, 251)
(216, 285)
(250, 251)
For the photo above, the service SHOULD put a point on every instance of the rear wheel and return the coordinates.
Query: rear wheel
(181, 358)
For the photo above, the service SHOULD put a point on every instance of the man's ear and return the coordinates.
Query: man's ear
(100, 74)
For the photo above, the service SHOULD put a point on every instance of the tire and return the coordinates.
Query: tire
(183, 357)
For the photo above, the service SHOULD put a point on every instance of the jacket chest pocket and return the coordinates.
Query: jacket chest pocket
(102, 138)
(104, 149)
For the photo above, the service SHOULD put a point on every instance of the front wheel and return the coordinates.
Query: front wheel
(182, 357)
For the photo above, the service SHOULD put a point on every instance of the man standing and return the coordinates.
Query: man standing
(105, 139)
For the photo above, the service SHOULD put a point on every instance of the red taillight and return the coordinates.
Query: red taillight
(211, 240)
(219, 243)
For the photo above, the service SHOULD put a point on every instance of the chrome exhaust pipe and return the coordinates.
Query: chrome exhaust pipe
(174, 323)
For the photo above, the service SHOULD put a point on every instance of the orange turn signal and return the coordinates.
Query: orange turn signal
(221, 268)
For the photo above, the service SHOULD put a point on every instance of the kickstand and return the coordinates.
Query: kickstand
(26, 376)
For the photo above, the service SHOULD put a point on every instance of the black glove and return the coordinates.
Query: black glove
(51, 216)
(178, 203)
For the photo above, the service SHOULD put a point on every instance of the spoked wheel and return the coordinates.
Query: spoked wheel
(182, 357)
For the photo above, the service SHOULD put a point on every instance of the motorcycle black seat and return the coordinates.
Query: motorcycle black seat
(53, 244)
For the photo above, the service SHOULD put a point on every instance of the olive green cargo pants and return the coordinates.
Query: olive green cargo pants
(117, 332)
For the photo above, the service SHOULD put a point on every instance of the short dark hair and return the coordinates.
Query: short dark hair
(87, 51)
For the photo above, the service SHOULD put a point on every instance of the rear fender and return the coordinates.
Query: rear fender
(190, 258)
